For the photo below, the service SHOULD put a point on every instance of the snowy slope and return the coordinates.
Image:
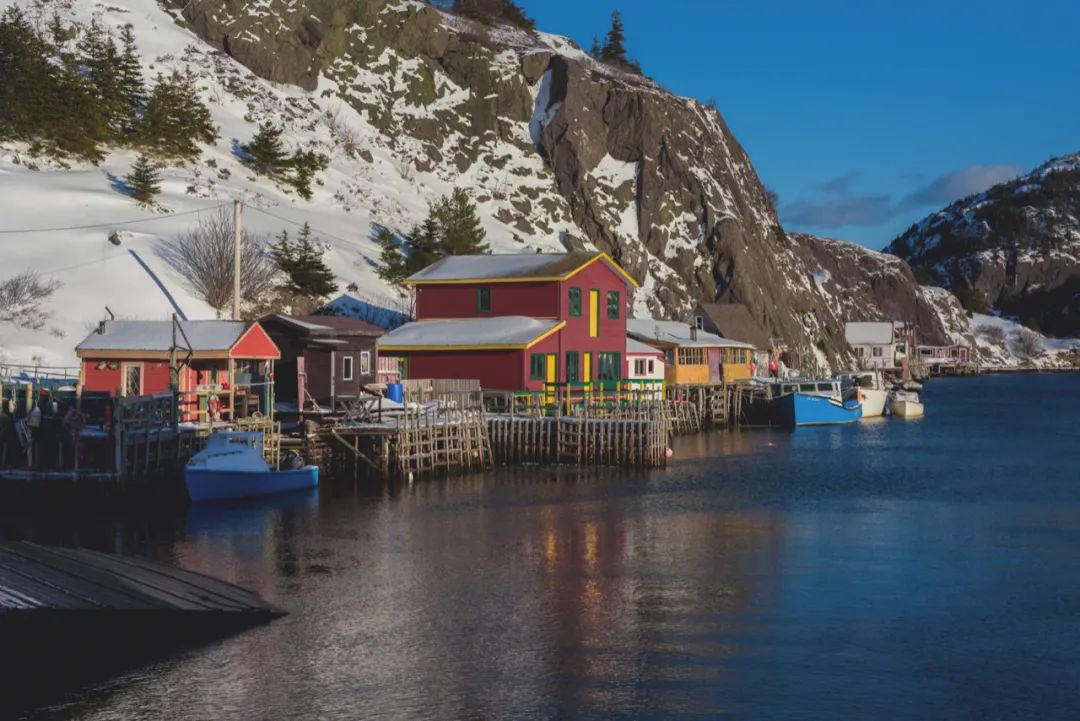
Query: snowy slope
(350, 197)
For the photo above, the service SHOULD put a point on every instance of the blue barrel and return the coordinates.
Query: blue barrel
(395, 392)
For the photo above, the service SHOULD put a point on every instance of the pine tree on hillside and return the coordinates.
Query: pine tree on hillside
(175, 120)
(130, 79)
(596, 50)
(615, 44)
(460, 231)
(266, 153)
(391, 262)
(97, 53)
(305, 164)
(283, 254)
(311, 277)
(422, 245)
(144, 180)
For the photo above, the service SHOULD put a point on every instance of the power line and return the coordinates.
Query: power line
(112, 225)
(350, 243)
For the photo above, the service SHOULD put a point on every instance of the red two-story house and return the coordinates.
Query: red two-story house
(517, 321)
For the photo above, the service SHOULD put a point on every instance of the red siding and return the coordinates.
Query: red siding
(155, 377)
(255, 343)
(575, 335)
(538, 300)
(105, 379)
(496, 370)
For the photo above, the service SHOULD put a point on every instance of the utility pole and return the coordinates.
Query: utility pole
(237, 235)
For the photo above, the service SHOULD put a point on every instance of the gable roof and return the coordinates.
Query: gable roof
(636, 347)
(672, 332)
(869, 333)
(733, 321)
(155, 336)
(513, 268)
(498, 333)
(325, 325)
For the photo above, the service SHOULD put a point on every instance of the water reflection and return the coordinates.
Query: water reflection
(882, 570)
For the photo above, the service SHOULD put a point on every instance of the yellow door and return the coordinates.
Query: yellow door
(594, 313)
(551, 376)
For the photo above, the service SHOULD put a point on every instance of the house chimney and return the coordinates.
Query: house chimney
(693, 332)
(101, 327)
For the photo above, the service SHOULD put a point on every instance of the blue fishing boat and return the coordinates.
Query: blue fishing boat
(791, 404)
(794, 409)
(232, 466)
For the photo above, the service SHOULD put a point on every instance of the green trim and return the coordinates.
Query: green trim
(573, 363)
(613, 305)
(538, 366)
(574, 303)
(483, 300)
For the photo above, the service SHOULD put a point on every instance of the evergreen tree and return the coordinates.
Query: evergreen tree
(283, 254)
(144, 180)
(460, 231)
(305, 164)
(422, 245)
(175, 120)
(615, 44)
(392, 263)
(310, 277)
(130, 80)
(596, 50)
(97, 53)
(265, 153)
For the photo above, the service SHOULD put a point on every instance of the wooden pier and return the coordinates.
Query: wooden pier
(68, 615)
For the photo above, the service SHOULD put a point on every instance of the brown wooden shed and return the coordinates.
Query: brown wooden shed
(325, 359)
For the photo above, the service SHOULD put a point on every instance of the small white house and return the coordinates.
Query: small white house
(644, 363)
(878, 344)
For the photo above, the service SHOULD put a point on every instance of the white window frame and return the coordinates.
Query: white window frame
(365, 363)
(879, 352)
(124, 378)
(347, 362)
(699, 322)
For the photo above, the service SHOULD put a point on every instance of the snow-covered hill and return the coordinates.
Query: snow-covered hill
(557, 149)
(1014, 248)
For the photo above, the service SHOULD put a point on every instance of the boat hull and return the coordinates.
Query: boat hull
(801, 409)
(219, 485)
(906, 409)
(873, 402)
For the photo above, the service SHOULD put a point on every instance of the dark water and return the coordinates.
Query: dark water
(889, 570)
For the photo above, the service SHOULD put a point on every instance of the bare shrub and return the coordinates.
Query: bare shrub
(1027, 342)
(23, 298)
(993, 333)
(203, 257)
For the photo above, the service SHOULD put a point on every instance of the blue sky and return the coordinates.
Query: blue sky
(864, 116)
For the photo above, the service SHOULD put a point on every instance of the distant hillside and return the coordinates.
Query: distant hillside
(1014, 248)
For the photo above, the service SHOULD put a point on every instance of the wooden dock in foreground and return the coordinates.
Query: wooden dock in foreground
(68, 615)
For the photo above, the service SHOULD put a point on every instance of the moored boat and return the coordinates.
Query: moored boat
(232, 466)
(792, 404)
(905, 404)
(871, 389)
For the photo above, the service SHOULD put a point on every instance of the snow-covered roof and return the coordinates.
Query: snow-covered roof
(869, 333)
(511, 331)
(636, 347)
(157, 335)
(508, 267)
(672, 332)
(325, 325)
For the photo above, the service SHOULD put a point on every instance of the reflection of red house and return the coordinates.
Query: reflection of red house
(517, 321)
(131, 358)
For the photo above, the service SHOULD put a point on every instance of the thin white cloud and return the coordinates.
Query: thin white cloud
(959, 184)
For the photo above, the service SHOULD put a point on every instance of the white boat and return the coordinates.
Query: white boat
(872, 390)
(905, 404)
(232, 466)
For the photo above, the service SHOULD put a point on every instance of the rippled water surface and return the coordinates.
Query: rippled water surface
(889, 570)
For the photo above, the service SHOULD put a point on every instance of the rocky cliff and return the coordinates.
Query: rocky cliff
(1014, 248)
(556, 145)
